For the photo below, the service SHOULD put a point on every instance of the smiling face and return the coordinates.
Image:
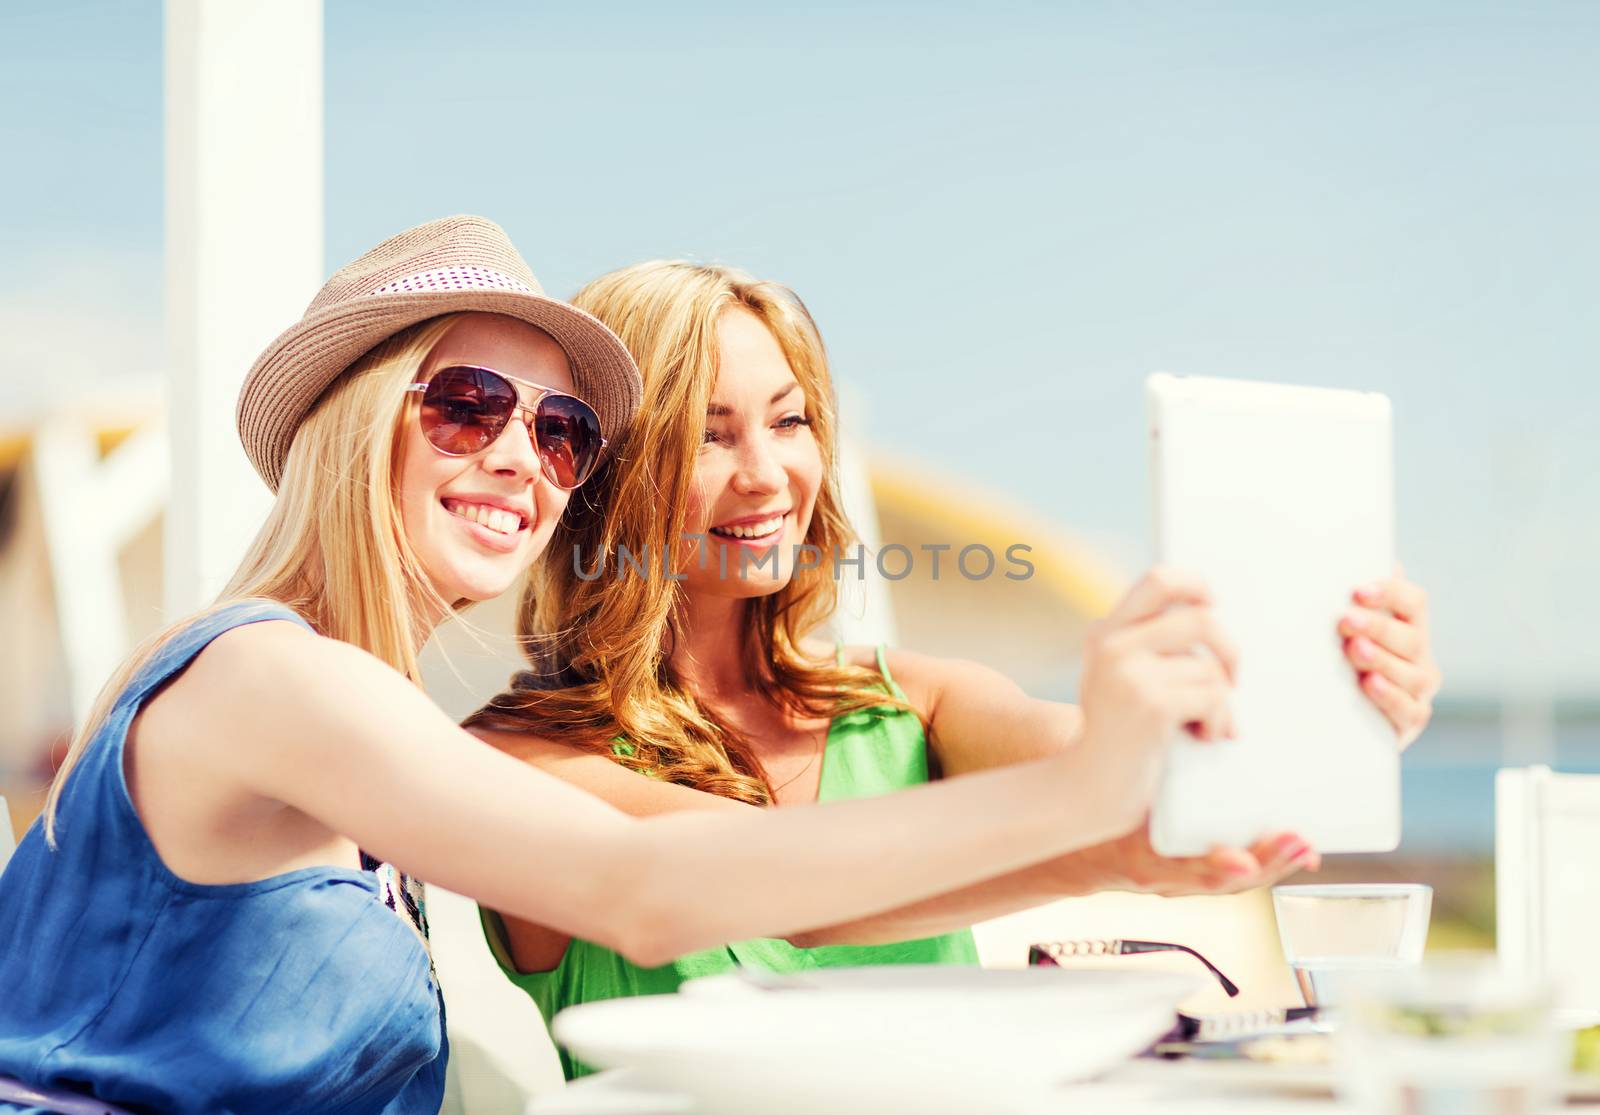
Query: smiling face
(758, 472)
(476, 522)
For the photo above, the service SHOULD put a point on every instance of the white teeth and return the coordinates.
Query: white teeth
(751, 530)
(496, 519)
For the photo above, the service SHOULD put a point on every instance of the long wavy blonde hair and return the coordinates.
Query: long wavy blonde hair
(600, 646)
(333, 547)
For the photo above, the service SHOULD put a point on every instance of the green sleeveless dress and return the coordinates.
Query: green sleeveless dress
(868, 752)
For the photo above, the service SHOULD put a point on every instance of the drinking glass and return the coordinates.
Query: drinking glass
(1331, 931)
(1456, 1035)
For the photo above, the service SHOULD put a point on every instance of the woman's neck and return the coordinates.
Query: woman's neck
(426, 616)
(709, 661)
(708, 654)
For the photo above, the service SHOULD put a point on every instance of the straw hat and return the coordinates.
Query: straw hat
(446, 266)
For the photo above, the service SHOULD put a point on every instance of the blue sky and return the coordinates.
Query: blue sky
(1008, 215)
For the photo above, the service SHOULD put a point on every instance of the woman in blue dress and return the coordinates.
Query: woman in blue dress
(217, 913)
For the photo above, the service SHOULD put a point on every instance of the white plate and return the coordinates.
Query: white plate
(608, 1093)
(929, 1040)
(1305, 1080)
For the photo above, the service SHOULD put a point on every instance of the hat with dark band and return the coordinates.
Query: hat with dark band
(453, 265)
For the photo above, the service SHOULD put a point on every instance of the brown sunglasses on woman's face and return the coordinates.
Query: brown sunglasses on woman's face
(465, 408)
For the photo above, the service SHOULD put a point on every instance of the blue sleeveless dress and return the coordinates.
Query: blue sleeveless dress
(121, 981)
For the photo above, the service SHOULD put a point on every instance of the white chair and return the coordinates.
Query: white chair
(8, 839)
(500, 1053)
(1547, 880)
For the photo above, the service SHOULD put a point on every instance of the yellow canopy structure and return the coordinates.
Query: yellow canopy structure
(1028, 622)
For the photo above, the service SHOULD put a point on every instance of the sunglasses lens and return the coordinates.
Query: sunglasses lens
(567, 432)
(464, 409)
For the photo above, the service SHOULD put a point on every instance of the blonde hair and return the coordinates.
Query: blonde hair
(333, 547)
(600, 647)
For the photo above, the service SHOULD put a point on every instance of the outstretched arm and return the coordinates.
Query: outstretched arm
(1128, 863)
(361, 751)
(1140, 626)
(1387, 642)
(978, 719)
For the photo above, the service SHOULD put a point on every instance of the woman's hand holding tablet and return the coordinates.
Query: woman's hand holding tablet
(1282, 498)
(1386, 639)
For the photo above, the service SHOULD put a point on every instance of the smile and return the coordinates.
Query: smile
(750, 531)
(491, 518)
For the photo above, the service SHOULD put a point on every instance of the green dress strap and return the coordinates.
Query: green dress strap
(881, 654)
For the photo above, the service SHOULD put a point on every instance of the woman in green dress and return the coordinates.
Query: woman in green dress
(674, 664)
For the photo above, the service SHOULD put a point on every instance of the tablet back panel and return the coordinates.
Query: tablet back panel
(1282, 499)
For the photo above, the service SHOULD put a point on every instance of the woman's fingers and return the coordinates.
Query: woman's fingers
(1395, 635)
(1193, 690)
(1191, 682)
(1386, 640)
(1231, 864)
(1222, 870)
(1227, 870)
(1366, 655)
(1398, 595)
(1203, 708)
(1285, 853)
(1192, 669)
(1194, 683)
(1157, 591)
(1263, 864)
(1219, 871)
(1163, 649)
(1408, 714)
(1181, 630)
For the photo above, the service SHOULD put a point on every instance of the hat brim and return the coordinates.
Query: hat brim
(297, 368)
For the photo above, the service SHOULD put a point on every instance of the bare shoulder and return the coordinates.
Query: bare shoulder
(198, 742)
(276, 682)
(245, 665)
(820, 652)
(865, 656)
(260, 653)
(530, 747)
(927, 679)
(978, 718)
(598, 774)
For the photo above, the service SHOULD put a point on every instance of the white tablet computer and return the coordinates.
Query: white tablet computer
(1282, 498)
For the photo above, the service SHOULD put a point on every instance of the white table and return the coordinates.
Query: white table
(1192, 1088)
(1141, 1088)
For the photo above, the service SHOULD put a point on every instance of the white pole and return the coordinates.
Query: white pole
(865, 613)
(244, 253)
(90, 508)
